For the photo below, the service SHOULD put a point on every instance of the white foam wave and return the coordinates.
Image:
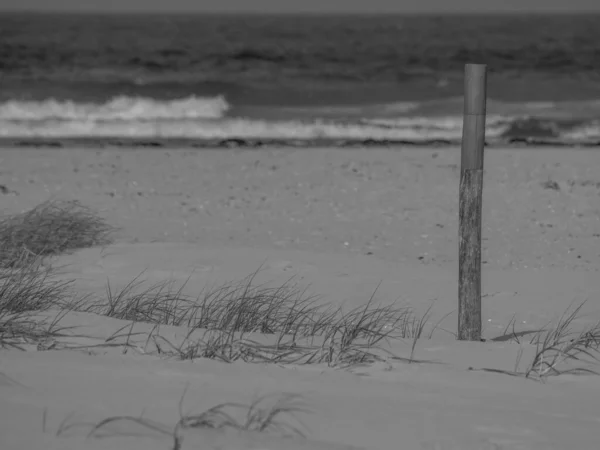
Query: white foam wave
(589, 131)
(448, 123)
(449, 127)
(118, 108)
(205, 118)
(229, 129)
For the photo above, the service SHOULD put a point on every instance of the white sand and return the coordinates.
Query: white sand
(342, 221)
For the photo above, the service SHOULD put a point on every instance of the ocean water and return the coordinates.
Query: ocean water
(338, 78)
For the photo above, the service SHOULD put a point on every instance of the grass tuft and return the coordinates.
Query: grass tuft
(273, 414)
(560, 344)
(228, 317)
(303, 329)
(558, 348)
(49, 229)
(237, 306)
(24, 293)
(263, 415)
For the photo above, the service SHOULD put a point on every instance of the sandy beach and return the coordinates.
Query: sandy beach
(343, 223)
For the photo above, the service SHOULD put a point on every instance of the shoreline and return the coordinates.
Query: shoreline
(245, 143)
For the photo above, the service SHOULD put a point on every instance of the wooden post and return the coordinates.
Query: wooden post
(470, 200)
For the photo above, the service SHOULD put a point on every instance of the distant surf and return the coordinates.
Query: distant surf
(297, 80)
(210, 118)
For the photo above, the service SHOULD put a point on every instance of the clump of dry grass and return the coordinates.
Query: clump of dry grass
(558, 347)
(24, 293)
(560, 344)
(274, 414)
(49, 229)
(238, 306)
(345, 339)
(262, 415)
(26, 286)
(356, 337)
(243, 306)
(303, 330)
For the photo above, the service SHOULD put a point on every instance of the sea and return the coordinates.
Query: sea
(254, 79)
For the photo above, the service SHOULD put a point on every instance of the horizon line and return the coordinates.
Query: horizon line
(567, 11)
(299, 13)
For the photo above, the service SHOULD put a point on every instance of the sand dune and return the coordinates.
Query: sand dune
(342, 223)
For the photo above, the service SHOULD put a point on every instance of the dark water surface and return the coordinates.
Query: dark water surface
(306, 77)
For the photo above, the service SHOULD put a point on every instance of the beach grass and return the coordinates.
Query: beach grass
(264, 414)
(244, 321)
(52, 228)
(274, 414)
(559, 343)
(558, 348)
(27, 285)
(24, 294)
(224, 322)
(239, 320)
(226, 313)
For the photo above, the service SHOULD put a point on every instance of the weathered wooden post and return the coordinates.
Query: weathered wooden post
(470, 201)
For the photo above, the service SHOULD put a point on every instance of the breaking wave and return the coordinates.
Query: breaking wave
(120, 108)
(210, 118)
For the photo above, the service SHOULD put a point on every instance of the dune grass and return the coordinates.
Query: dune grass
(558, 347)
(51, 228)
(239, 320)
(273, 414)
(27, 286)
(262, 415)
(24, 293)
(559, 344)
(227, 322)
(244, 306)
(227, 314)
(238, 306)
